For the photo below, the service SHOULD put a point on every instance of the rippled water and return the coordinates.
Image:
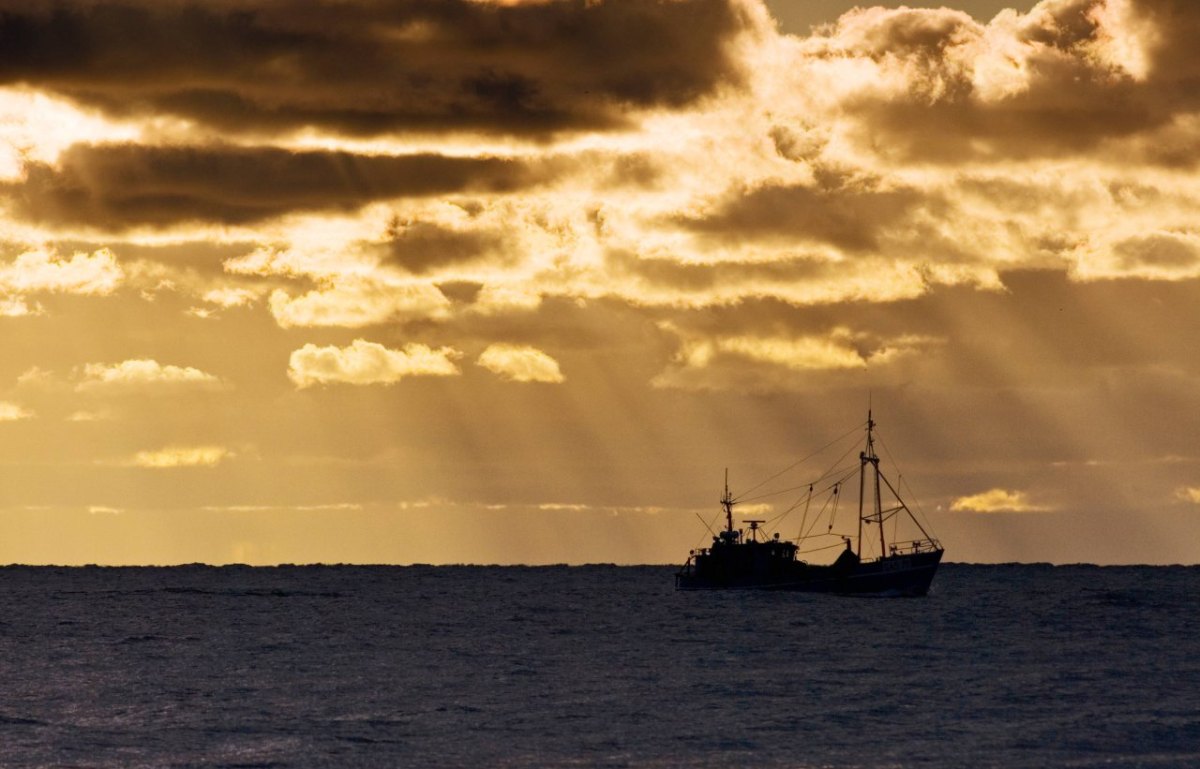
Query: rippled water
(1000, 666)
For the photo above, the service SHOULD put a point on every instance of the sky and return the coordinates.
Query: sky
(485, 281)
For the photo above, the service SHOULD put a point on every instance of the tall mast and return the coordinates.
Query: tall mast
(862, 480)
(876, 515)
(878, 499)
(727, 503)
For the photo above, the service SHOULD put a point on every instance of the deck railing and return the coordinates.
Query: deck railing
(914, 547)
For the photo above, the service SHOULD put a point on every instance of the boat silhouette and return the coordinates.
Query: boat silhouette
(750, 559)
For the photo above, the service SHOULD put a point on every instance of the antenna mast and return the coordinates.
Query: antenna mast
(727, 503)
(878, 495)
(876, 514)
(862, 480)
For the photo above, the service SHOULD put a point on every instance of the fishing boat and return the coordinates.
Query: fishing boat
(753, 558)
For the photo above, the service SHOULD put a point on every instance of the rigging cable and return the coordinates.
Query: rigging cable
(823, 547)
(900, 481)
(799, 462)
(837, 497)
(707, 526)
(804, 518)
(806, 498)
(832, 498)
(823, 476)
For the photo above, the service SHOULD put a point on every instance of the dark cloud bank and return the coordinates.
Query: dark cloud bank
(120, 185)
(367, 68)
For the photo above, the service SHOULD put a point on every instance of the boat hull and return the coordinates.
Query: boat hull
(902, 575)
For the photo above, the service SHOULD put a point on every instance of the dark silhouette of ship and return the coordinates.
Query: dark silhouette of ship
(751, 560)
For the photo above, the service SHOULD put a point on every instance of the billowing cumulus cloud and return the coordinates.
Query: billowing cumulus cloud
(40, 270)
(352, 303)
(998, 501)
(935, 84)
(364, 363)
(520, 363)
(363, 68)
(141, 374)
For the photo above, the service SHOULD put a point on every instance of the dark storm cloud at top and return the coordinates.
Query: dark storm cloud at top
(367, 68)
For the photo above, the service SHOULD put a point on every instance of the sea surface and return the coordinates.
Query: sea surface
(594, 666)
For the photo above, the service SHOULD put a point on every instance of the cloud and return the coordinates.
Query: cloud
(335, 507)
(358, 301)
(419, 247)
(934, 84)
(230, 296)
(505, 299)
(12, 412)
(364, 362)
(37, 127)
(94, 274)
(800, 354)
(141, 373)
(35, 376)
(998, 501)
(1188, 494)
(181, 456)
(764, 363)
(118, 186)
(520, 363)
(351, 289)
(256, 66)
(1171, 254)
(846, 214)
(17, 307)
(90, 416)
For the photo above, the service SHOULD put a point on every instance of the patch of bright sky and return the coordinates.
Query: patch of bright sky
(37, 127)
(797, 17)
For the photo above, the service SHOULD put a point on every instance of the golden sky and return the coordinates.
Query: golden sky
(513, 282)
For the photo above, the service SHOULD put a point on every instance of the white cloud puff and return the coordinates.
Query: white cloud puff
(12, 412)
(18, 307)
(520, 363)
(95, 274)
(364, 362)
(998, 501)
(356, 302)
(230, 296)
(142, 372)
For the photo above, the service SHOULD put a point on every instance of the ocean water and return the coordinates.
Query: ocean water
(598, 666)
